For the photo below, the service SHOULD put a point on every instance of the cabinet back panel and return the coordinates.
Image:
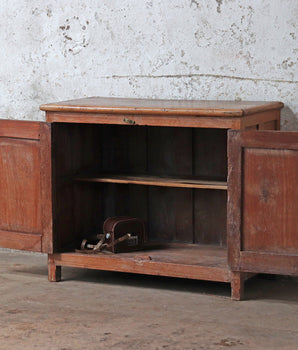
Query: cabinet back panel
(167, 212)
(124, 149)
(210, 153)
(124, 200)
(171, 214)
(210, 210)
(169, 151)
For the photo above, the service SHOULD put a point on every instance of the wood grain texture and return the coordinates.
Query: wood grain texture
(265, 120)
(270, 125)
(22, 241)
(25, 186)
(262, 215)
(270, 200)
(237, 286)
(54, 271)
(274, 263)
(20, 200)
(20, 129)
(46, 187)
(234, 199)
(146, 120)
(161, 107)
(175, 260)
(157, 181)
(210, 217)
(170, 214)
(210, 153)
(170, 209)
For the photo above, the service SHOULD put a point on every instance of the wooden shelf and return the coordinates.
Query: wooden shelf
(184, 182)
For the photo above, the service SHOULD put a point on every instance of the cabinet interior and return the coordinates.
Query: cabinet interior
(172, 178)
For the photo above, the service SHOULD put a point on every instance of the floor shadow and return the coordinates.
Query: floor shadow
(146, 281)
(271, 287)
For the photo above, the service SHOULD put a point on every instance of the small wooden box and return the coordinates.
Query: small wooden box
(120, 227)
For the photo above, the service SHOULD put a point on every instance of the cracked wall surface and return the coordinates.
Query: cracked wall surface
(219, 49)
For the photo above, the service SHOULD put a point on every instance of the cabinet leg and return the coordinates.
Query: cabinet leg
(237, 285)
(54, 271)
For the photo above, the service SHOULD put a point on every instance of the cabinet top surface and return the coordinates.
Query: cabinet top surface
(161, 107)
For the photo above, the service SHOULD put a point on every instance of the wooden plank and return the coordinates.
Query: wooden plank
(170, 151)
(20, 129)
(54, 272)
(270, 125)
(270, 200)
(260, 118)
(210, 161)
(237, 285)
(146, 120)
(161, 107)
(20, 200)
(170, 209)
(205, 263)
(210, 217)
(19, 240)
(251, 127)
(210, 153)
(124, 149)
(46, 187)
(268, 139)
(156, 181)
(170, 214)
(260, 262)
(234, 199)
(145, 267)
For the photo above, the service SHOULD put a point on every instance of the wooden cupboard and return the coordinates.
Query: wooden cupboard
(165, 162)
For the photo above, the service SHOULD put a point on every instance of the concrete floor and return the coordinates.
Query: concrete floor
(105, 310)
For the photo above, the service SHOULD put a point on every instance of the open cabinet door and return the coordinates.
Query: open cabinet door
(25, 186)
(263, 201)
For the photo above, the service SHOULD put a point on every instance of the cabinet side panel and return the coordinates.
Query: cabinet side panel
(270, 200)
(76, 207)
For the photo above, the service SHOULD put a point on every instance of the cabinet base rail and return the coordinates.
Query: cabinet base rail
(144, 264)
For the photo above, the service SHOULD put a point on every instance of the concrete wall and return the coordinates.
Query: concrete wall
(214, 49)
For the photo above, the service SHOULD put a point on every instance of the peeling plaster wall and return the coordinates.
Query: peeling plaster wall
(218, 49)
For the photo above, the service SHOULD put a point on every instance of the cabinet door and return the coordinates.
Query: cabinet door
(25, 186)
(263, 201)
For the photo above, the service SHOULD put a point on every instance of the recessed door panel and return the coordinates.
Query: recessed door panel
(25, 221)
(263, 201)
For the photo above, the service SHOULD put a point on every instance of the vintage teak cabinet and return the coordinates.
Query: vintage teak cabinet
(209, 215)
